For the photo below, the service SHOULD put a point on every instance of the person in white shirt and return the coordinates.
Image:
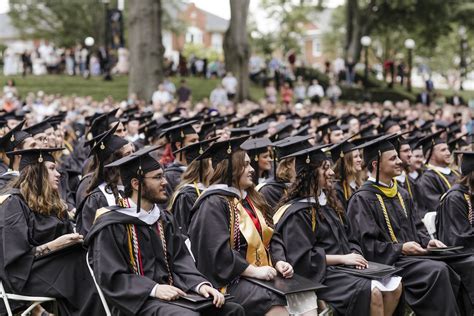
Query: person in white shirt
(315, 92)
(161, 96)
(230, 85)
(300, 90)
(218, 96)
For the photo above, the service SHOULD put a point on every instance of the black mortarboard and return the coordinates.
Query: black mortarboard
(282, 130)
(302, 130)
(38, 128)
(369, 130)
(457, 143)
(428, 142)
(211, 127)
(136, 166)
(223, 150)
(56, 120)
(426, 125)
(108, 144)
(143, 117)
(241, 131)
(193, 151)
(290, 145)
(175, 114)
(148, 129)
(374, 149)
(305, 157)
(239, 122)
(387, 123)
(13, 138)
(102, 123)
(14, 115)
(34, 155)
(178, 132)
(467, 161)
(328, 127)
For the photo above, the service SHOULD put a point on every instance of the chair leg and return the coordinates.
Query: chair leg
(5, 299)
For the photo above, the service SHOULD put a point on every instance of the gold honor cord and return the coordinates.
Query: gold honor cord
(345, 189)
(409, 187)
(440, 175)
(402, 203)
(197, 189)
(387, 219)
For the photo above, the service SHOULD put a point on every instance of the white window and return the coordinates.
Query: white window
(216, 41)
(193, 35)
(316, 47)
(168, 42)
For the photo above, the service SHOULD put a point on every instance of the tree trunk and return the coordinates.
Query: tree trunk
(236, 46)
(146, 47)
(353, 31)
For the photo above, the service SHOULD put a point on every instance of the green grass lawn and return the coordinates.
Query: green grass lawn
(99, 89)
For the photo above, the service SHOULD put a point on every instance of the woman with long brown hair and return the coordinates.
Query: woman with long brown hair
(315, 232)
(193, 181)
(347, 169)
(37, 256)
(230, 236)
(105, 184)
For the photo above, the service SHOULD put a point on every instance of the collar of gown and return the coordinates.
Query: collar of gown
(148, 218)
(225, 187)
(443, 170)
(414, 175)
(322, 199)
(401, 178)
(371, 179)
(199, 185)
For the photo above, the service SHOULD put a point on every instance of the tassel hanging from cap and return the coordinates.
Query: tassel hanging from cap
(274, 165)
(140, 183)
(430, 153)
(379, 154)
(229, 165)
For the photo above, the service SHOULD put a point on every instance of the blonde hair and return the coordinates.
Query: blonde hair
(285, 171)
(349, 169)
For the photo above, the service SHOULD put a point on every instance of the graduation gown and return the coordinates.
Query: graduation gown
(126, 290)
(431, 186)
(306, 242)
(85, 213)
(342, 196)
(6, 178)
(3, 167)
(181, 204)
(173, 176)
(81, 192)
(62, 275)
(410, 186)
(272, 191)
(209, 232)
(424, 281)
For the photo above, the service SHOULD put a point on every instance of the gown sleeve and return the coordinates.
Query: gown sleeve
(120, 286)
(92, 203)
(371, 234)
(182, 210)
(210, 242)
(17, 252)
(300, 247)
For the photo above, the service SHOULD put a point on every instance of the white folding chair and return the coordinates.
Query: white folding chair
(101, 295)
(35, 300)
(430, 223)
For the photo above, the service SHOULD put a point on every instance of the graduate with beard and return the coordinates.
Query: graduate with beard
(274, 189)
(178, 136)
(105, 185)
(194, 180)
(229, 234)
(438, 177)
(138, 255)
(316, 235)
(37, 256)
(386, 223)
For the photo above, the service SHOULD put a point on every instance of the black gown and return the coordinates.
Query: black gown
(173, 176)
(272, 191)
(6, 178)
(430, 189)
(85, 213)
(3, 167)
(210, 244)
(181, 205)
(410, 185)
(63, 275)
(128, 292)
(81, 192)
(305, 249)
(430, 287)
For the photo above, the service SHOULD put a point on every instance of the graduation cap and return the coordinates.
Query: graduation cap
(254, 147)
(223, 150)
(369, 130)
(305, 157)
(107, 144)
(260, 130)
(211, 126)
(302, 130)
(282, 130)
(136, 166)
(175, 114)
(288, 146)
(374, 149)
(241, 131)
(102, 123)
(14, 115)
(34, 156)
(143, 117)
(193, 151)
(56, 120)
(3, 123)
(148, 129)
(329, 127)
(428, 142)
(387, 123)
(365, 118)
(426, 125)
(38, 128)
(13, 137)
(457, 142)
(239, 122)
(467, 161)
(177, 133)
